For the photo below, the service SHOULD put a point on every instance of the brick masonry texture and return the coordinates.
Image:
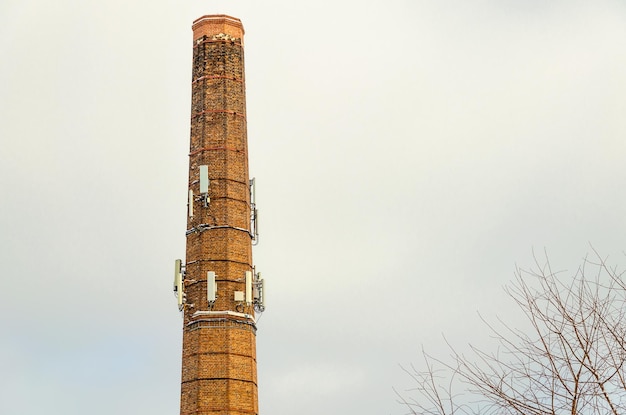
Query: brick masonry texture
(219, 374)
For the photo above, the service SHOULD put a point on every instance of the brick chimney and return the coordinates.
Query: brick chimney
(221, 289)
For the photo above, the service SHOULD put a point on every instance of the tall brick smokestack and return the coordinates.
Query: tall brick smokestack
(221, 289)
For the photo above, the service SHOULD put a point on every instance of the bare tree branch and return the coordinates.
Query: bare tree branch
(573, 359)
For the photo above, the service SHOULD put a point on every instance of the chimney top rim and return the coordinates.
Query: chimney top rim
(217, 17)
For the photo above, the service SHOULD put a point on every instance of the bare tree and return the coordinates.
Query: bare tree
(571, 361)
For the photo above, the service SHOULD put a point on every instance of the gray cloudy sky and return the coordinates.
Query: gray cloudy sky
(407, 153)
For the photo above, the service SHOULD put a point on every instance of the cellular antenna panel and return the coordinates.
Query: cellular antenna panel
(204, 179)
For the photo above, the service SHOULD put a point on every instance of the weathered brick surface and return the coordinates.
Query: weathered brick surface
(215, 24)
(219, 349)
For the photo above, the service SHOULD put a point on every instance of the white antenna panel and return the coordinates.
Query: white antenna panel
(248, 287)
(211, 286)
(256, 289)
(204, 179)
(181, 297)
(190, 203)
(177, 274)
(252, 190)
(178, 283)
(239, 296)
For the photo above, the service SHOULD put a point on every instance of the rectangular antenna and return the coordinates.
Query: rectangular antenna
(248, 287)
(252, 183)
(211, 286)
(190, 203)
(180, 298)
(177, 273)
(204, 179)
(256, 293)
(178, 283)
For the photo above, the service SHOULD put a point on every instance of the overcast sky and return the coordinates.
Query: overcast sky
(408, 154)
